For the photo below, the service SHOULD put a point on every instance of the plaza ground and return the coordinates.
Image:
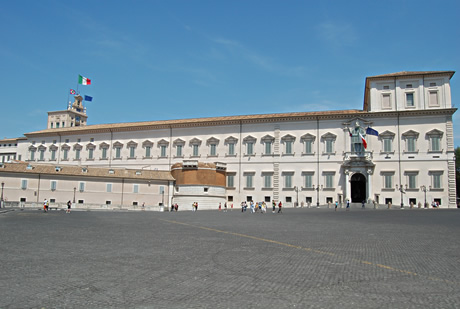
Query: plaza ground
(315, 258)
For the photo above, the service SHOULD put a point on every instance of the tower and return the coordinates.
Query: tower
(74, 116)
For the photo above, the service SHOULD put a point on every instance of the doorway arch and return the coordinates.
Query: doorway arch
(358, 188)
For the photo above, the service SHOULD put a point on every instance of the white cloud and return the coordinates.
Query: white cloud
(336, 33)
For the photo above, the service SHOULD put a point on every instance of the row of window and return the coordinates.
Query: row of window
(410, 137)
(410, 96)
(82, 185)
(329, 180)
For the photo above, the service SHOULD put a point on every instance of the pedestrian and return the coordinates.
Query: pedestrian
(172, 207)
(143, 206)
(176, 207)
(252, 207)
(231, 207)
(225, 207)
(274, 206)
(196, 206)
(45, 205)
(280, 207)
(336, 205)
(69, 205)
(242, 206)
(348, 205)
(220, 207)
(363, 205)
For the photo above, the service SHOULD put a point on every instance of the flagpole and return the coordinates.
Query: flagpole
(78, 79)
(68, 97)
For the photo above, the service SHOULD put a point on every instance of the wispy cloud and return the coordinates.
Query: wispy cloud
(337, 33)
(257, 59)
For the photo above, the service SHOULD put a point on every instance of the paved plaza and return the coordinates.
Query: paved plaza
(303, 258)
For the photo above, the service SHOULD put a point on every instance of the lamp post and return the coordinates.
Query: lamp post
(296, 189)
(401, 189)
(423, 188)
(74, 191)
(1, 200)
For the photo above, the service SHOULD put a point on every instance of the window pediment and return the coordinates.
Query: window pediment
(65, 146)
(77, 147)
(329, 136)
(163, 142)
(195, 141)
(249, 139)
(435, 132)
(117, 144)
(410, 133)
(41, 147)
(147, 143)
(90, 146)
(104, 145)
(131, 144)
(267, 138)
(212, 140)
(386, 134)
(179, 142)
(308, 137)
(288, 138)
(231, 140)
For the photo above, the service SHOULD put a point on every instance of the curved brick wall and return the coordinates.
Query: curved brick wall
(205, 174)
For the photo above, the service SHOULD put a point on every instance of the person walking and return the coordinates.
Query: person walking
(69, 205)
(336, 205)
(45, 205)
(280, 207)
(220, 207)
(348, 205)
(274, 206)
(225, 207)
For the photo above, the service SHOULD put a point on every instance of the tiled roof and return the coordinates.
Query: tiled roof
(144, 125)
(412, 73)
(72, 170)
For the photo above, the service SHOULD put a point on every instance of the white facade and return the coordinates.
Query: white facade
(305, 157)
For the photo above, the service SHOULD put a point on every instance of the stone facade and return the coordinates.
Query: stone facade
(303, 158)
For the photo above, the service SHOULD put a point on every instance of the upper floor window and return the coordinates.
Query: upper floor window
(435, 136)
(212, 143)
(230, 180)
(288, 179)
(117, 147)
(388, 179)
(148, 148)
(53, 185)
(436, 178)
(308, 141)
(308, 179)
(24, 184)
(411, 179)
(386, 101)
(41, 151)
(329, 141)
(179, 144)
(195, 144)
(163, 145)
(268, 141)
(104, 147)
(329, 180)
(249, 180)
(410, 99)
(132, 149)
(109, 187)
(32, 151)
(288, 141)
(249, 141)
(90, 147)
(231, 142)
(410, 138)
(387, 138)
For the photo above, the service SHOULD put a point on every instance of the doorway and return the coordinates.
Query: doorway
(358, 188)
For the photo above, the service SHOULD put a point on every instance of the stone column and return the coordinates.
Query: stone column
(369, 185)
(347, 187)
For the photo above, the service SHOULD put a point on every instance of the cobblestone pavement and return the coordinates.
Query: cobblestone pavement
(303, 258)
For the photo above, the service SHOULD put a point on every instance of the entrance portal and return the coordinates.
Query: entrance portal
(358, 188)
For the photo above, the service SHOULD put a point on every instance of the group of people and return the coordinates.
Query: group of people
(46, 206)
(225, 207)
(174, 207)
(260, 207)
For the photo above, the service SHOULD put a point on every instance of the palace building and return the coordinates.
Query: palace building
(398, 149)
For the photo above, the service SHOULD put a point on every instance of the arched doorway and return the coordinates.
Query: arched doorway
(358, 188)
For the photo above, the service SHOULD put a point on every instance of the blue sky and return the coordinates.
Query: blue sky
(157, 60)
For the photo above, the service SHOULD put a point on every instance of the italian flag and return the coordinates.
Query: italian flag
(83, 80)
(364, 141)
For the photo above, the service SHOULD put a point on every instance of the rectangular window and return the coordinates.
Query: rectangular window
(213, 150)
(410, 99)
(387, 145)
(329, 180)
(53, 185)
(91, 153)
(53, 154)
(109, 187)
(288, 147)
(410, 141)
(57, 125)
(250, 148)
(231, 149)
(132, 151)
(433, 97)
(77, 154)
(179, 150)
(386, 101)
(412, 178)
(230, 181)
(329, 146)
(388, 179)
(249, 181)
(268, 148)
(42, 155)
(308, 147)
(308, 183)
(32, 155)
(288, 181)
(148, 151)
(435, 143)
(163, 151)
(118, 152)
(135, 188)
(81, 186)
(267, 181)
(436, 181)
(104, 153)
(24, 184)
(195, 150)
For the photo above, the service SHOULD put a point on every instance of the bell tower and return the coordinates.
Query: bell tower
(74, 116)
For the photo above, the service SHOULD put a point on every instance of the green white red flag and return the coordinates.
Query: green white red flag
(84, 80)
